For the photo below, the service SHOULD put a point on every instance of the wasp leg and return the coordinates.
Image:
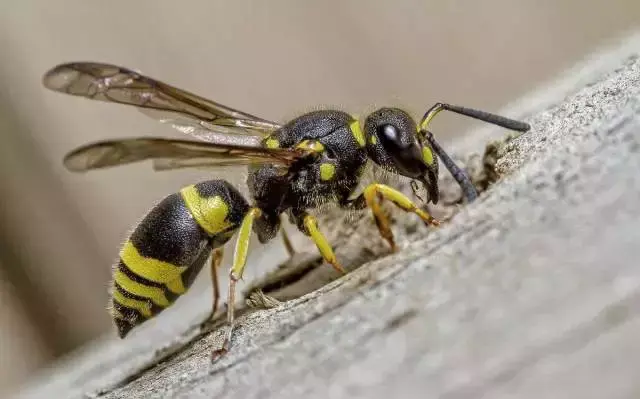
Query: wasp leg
(374, 193)
(287, 242)
(239, 262)
(216, 260)
(308, 224)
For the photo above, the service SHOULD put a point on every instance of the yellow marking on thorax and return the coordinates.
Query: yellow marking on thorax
(327, 171)
(272, 143)
(210, 212)
(143, 307)
(312, 145)
(153, 269)
(427, 155)
(155, 294)
(357, 132)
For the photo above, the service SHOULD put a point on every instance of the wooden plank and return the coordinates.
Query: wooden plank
(533, 291)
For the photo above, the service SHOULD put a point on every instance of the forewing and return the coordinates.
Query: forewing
(173, 154)
(168, 104)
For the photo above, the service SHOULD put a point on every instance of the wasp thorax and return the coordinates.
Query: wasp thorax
(392, 142)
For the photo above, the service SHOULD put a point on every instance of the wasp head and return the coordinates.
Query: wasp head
(394, 144)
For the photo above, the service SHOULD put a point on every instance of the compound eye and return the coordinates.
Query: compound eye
(389, 135)
(402, 150)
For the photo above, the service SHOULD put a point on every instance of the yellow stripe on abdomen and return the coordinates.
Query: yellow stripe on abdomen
(153, 269)
(210, 212)
(143, 307)
(155, 294)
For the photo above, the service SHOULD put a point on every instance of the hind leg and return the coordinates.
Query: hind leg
(216, 260)
(239, 262)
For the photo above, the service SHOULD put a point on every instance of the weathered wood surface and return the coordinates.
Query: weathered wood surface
(532, 291)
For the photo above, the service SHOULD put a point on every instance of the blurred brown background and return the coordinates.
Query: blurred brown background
(59, 232)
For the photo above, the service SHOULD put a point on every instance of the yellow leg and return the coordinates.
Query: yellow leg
(376, 192)
(311, 226)
(239, 262)
(216, 260)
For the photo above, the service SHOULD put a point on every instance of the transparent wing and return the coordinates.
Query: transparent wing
(173, 154)
(216, 134)
(186, 111)
(163, 164)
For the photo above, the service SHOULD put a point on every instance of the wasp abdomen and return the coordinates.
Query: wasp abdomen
(168, 248)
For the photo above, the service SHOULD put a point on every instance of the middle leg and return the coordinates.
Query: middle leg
(287, 242)
(308, 224)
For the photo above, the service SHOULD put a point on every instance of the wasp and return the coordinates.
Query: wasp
(293, 168)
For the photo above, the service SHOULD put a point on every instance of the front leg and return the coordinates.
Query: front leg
(371, 197)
